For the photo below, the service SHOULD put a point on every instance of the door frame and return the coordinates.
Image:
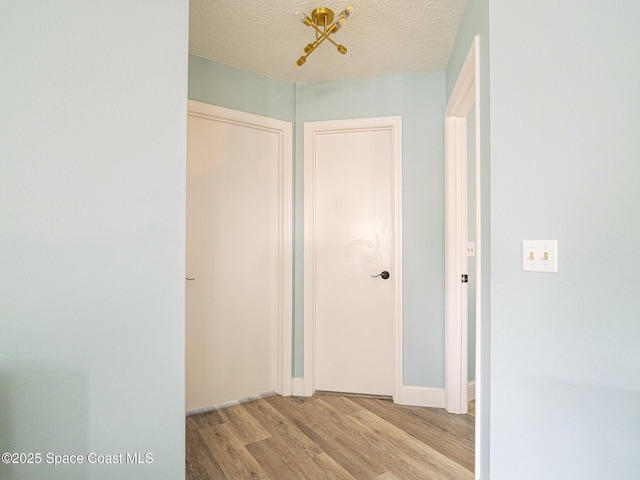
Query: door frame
(311, 130)
(284, 131)
(465, 94)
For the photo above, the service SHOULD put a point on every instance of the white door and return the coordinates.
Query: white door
(352, 171)
(236, 255)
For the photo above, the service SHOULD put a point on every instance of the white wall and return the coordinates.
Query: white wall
(92, 175)
(565, 165)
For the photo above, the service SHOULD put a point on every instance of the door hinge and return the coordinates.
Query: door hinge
(465, 278)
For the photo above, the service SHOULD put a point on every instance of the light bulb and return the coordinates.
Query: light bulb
(348, 10)
(301, 16)
(341, 21)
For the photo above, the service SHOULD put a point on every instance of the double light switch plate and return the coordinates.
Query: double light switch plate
(540, 255)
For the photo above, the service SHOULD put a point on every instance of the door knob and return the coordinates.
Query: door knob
(384, 275)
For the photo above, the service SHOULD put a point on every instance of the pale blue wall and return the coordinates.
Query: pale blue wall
(230, 87)
(92, 175)
(565, 112)
(420, 100)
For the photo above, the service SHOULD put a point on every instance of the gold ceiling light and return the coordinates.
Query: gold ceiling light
(321, 21)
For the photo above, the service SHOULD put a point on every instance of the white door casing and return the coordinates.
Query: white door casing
(456, 267)
(465, 94)
(353, 214)
(239, 250)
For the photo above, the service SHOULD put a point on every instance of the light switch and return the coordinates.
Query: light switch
(540, 255)
(471, 249)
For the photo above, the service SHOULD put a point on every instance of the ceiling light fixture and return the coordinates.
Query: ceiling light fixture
(321, 21)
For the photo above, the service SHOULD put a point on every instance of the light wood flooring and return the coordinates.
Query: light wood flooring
(328, 437)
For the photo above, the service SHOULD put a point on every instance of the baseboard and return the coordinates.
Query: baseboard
(471, 390)
(229, 404)
(421, 397)
(414, 396)
(297, 387)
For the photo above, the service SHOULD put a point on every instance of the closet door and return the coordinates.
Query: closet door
(236, 223)
(352, 274)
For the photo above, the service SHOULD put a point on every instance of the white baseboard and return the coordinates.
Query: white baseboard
(230, 403)
(471, 390)
(414, 396)
(421, 397)
(297, 384)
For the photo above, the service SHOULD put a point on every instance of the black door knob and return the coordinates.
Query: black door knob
(384, 275)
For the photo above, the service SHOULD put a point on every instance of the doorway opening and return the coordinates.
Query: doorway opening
(464, 101)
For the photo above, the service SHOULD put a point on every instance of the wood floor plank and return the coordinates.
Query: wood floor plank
(391, 453)
(441, 435)
(245, 426)
(207, 419)
(460, 427)
(234, 459)
(273, 457)
(277, 460)
(299, 445)
(424, 460)
(324, 467)
(343, 405)
(386, 476)
(328, 437)
(200, 464)
(355, 454)
(331, 437)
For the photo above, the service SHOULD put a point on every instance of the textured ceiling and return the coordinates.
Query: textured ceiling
(382, 37)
